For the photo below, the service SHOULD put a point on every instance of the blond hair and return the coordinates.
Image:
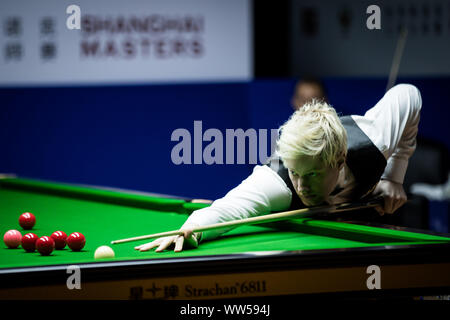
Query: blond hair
(313, 130)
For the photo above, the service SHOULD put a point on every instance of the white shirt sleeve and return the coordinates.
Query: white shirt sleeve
(392, 126)
(260, 193)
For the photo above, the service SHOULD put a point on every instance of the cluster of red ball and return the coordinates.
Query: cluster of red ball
(45, 245)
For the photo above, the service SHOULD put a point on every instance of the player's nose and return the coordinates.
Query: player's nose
(303, 187)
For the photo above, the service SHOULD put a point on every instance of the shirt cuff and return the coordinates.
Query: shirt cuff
(188, 224)
(196, 218)
(204, 217)
(395, 170)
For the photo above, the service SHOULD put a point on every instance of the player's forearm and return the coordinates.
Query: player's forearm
(240, 205)
(395, 170)
(262, 192)
(397, 163)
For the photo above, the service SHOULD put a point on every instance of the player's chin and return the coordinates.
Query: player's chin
(312, 201)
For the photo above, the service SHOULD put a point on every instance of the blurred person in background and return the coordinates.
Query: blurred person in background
(306, 90)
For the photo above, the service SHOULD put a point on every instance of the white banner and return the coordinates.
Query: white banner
(124, 42)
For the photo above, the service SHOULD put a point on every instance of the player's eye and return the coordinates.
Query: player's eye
(312, 174)
(294, 174)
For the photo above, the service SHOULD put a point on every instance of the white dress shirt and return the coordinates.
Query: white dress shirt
(391, 125)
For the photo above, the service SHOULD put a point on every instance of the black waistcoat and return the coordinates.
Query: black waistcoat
(364, 160)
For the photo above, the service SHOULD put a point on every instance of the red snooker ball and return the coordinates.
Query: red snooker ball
(27, 220)
(45, 245)
(60, 239)
(76, 241)
(12, 238)
(29, 242)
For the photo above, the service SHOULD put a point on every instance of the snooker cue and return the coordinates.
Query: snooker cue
(397, 58)
(299, 213)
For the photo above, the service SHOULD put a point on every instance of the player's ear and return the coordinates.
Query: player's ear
(341, 161)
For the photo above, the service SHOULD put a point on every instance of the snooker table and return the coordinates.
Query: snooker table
(305, 257)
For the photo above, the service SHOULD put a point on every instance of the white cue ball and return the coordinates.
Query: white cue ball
(104, 252)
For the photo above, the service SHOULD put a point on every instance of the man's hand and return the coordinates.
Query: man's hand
(393, 194)
(189, 239)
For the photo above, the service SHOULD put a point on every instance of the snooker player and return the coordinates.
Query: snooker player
(320, 159)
